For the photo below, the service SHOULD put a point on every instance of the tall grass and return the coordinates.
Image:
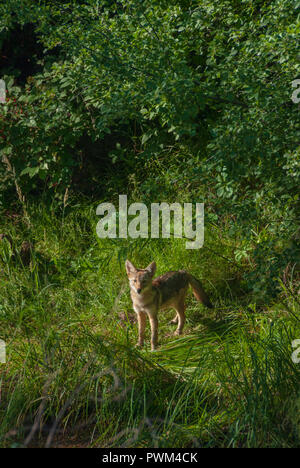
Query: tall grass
(74, 377)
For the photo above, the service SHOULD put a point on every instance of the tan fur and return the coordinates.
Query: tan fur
(169, 290)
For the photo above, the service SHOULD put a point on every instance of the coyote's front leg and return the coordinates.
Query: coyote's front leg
(154, 328)
(142, 324)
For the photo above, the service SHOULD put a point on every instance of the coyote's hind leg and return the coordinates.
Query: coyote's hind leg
(180, 309)
(175, 320)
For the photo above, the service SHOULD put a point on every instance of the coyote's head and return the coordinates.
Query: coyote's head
(140, 279)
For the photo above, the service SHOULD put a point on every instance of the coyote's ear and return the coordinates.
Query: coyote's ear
(151, 268)
(130, 268)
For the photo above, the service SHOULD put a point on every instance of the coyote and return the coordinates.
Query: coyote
(169, 290)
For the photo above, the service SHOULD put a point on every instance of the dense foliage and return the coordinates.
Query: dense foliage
(213, 77)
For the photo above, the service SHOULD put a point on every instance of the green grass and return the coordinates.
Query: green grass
(73, 376)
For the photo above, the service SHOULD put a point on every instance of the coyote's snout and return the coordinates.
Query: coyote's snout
(169, 290)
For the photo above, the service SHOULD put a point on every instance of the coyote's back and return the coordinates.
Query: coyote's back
(174, 283)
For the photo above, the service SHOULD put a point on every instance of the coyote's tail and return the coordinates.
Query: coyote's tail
(199, 292)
